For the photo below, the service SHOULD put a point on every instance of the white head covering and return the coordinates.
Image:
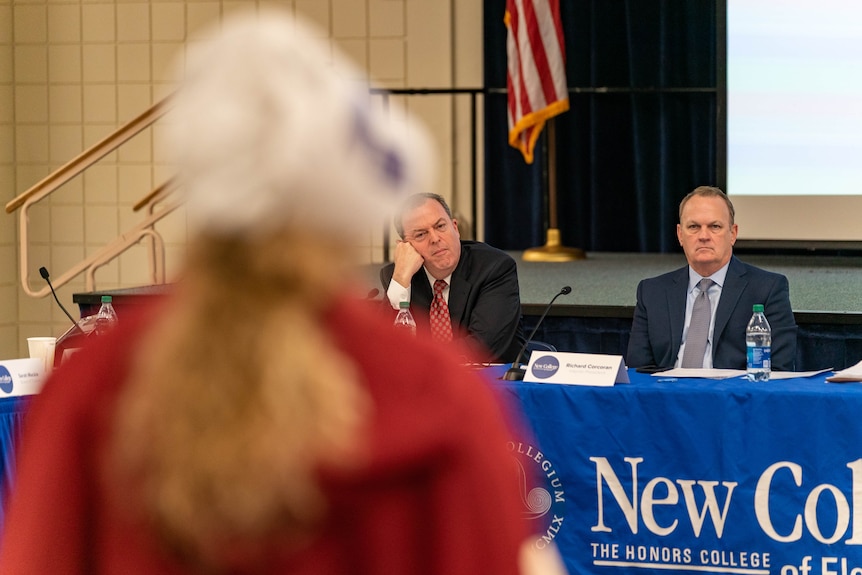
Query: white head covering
(274, 131)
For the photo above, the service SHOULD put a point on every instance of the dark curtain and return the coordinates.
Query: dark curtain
(639, 135)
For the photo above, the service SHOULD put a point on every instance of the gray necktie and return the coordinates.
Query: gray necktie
(698, 329)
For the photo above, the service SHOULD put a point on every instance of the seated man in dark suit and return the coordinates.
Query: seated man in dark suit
(476, 298)
(666, 304)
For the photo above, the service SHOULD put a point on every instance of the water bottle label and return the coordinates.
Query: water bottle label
(758, 357)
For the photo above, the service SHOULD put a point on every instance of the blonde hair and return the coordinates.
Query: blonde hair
(237, 396)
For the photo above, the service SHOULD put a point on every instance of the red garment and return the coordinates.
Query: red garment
(438, 495)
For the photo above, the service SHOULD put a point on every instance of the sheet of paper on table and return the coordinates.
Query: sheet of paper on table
(795, 374)
(728, 373)
(852, 373)
(700, 372)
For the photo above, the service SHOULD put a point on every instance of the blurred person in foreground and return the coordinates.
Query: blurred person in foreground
(665, 304)
(260, 419)
(459, 290)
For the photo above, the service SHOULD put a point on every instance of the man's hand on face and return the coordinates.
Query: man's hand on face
(407, 262)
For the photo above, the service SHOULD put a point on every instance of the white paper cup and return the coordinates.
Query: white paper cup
(43, 348)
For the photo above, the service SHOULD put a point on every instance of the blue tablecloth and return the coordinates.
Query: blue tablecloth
(12, 410)
(697, 476)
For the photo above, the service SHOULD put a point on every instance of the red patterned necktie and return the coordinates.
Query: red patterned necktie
(441, 323)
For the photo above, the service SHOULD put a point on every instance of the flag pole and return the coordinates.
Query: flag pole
(553, 250)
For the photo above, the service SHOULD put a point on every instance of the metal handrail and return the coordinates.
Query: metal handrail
(155, 196)
(73, 168)
(90, 156)
(161, 195)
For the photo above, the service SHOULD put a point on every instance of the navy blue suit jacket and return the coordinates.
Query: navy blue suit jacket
(659, 318)
(484, 302)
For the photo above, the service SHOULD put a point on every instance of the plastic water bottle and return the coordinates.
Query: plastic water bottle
(106, 319)
(758, 345)
(404, 320)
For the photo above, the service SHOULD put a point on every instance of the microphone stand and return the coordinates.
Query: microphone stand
(43, 271)
(516, 372)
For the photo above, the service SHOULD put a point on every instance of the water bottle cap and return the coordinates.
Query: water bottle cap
(107, 299)
(404, 305)
(757, 308)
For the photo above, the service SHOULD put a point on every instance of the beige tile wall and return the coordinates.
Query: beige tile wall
(73, 71)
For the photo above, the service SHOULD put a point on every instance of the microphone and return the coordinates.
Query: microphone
(516, 372)
(44, 273)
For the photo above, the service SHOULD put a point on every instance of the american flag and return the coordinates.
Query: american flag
(536, 78)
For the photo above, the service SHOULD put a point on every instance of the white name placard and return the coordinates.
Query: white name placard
(21, 376)
(576, 368)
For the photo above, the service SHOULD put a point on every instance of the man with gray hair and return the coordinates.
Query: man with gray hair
(458, 290)
(665, 326)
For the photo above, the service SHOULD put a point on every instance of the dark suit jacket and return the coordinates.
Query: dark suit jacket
(484, 302)
(659, 318)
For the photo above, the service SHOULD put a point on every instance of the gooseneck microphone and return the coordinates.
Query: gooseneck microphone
(43, 271)
(516, 372)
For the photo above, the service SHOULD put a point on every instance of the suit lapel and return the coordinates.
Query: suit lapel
(731, 291)
(676, 313)
(459, 288)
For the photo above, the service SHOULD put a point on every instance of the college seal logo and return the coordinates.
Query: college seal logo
(541, 491)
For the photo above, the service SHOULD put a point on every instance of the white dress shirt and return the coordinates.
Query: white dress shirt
(714, 293)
